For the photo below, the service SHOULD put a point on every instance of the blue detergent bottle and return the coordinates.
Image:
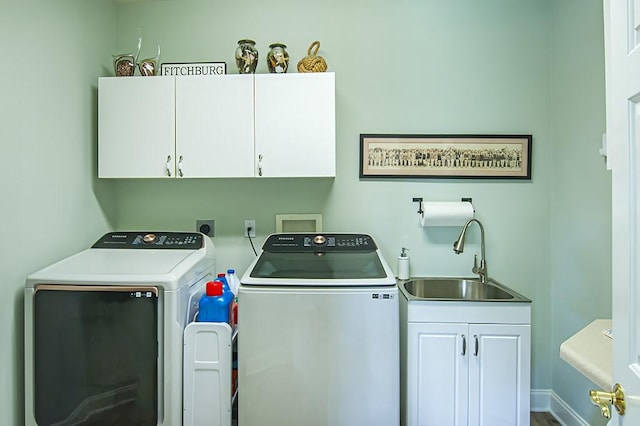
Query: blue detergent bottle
(214, 304)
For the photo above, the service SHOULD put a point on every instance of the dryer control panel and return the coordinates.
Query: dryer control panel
(150, 240)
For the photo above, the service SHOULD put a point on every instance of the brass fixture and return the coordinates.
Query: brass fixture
(604, 399)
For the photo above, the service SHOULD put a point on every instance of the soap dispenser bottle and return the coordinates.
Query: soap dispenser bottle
(403, 265)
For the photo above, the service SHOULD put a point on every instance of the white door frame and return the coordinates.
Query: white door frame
(622, 53)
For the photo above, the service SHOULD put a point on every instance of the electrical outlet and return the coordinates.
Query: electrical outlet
(207, 227)
(251, 233)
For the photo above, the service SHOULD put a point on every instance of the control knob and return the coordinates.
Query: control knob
(319, 240)
(149, 238)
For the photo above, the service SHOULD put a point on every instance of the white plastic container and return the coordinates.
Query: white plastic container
(403, 265)
(233, 281)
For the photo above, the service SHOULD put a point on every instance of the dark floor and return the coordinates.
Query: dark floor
(537, 419)
(543, 419)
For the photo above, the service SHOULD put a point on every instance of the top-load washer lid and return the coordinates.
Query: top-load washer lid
(325, 260)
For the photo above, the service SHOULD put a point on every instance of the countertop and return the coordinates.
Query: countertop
(590, 352)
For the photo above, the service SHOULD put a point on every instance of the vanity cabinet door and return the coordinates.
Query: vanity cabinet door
(214, 126)
(499, 374)
(437, 374)
(136, 127)
(295, 125)
(468, 374)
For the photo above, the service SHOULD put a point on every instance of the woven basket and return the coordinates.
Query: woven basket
(312, 63)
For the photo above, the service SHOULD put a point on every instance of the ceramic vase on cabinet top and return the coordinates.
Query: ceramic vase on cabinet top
(246, 56)
(278, 58)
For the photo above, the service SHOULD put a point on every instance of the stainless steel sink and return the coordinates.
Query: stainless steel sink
(458, 289)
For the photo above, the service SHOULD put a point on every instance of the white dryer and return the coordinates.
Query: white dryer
(104, 330)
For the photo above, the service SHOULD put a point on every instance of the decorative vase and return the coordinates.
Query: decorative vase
(125, 64)
(149, 67)
(246, 56)
(277, 58)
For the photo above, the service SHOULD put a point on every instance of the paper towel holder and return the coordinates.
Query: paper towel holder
(419, 200)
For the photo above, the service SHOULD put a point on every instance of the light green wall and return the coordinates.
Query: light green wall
(52, 204)
(401, 67)
(425, 67)
(409, 66)
(581, 189)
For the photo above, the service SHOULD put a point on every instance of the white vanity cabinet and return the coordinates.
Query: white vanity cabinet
(270, 125)
(466, 363)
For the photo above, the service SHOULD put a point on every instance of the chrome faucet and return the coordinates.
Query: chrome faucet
(458, 247)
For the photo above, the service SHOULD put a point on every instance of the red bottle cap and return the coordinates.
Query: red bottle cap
(214, 288)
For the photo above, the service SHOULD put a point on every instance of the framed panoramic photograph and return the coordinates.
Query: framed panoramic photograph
(445, 156)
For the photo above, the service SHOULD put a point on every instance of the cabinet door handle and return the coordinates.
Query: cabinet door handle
(180, 166)
(169, 166)
(260, 165)
(476, 349)
(464, 345)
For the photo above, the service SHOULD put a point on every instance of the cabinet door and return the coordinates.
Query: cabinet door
(295, 124)
(499, 374)
(437, 374)
(214, 126)
(136, 129)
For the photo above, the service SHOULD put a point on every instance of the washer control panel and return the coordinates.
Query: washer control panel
(319, 242)
(151, 240)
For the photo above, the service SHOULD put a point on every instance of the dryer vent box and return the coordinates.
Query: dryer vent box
(298, 223)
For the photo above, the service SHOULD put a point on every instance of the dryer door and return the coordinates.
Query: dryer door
(95, 355)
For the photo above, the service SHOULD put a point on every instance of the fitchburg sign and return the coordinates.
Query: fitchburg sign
(193, 69)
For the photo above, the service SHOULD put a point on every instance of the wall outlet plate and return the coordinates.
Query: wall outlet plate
(249, 223)
(207, 227)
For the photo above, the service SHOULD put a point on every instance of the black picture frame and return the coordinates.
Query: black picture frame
(445, 156)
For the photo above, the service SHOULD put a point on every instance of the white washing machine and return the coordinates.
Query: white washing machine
(318, 340)
(104, 330)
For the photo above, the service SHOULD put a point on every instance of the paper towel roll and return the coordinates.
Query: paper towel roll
(446, 213)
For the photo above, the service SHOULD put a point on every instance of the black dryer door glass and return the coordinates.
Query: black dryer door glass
(95, 355)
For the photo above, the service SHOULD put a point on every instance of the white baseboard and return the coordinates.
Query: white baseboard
(547, 400)
(541, 400)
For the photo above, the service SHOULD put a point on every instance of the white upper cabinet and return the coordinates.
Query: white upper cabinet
(264, 125)
(214, 126)
(136, 127)
(295, 124)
